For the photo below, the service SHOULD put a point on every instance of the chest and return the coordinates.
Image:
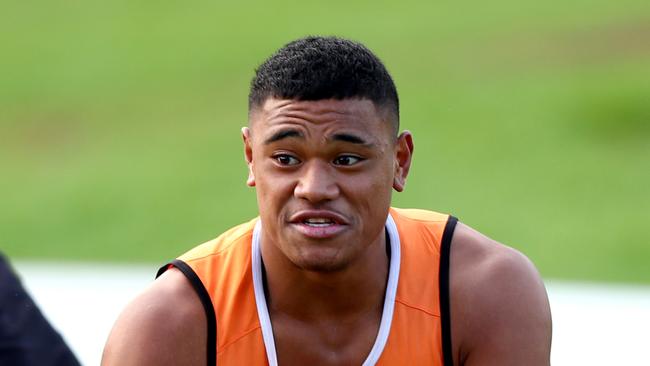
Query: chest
(326, 343)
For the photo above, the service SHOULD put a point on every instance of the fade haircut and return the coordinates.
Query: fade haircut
(316, 68)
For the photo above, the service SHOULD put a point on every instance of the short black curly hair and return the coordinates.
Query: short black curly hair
(316, 68)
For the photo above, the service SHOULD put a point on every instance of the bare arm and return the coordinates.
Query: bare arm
(499, 308)
(165, 325)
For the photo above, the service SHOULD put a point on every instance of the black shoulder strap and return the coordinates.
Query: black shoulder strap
(205, 300)
(445, 313)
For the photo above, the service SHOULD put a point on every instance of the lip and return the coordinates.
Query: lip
(318, 232)
(301, 216)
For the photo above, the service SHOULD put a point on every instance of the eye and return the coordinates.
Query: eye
(285, 159)
(347, 160)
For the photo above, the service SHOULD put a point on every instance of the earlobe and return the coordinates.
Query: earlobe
(398, 184)
(403, 156)
(251, 179)
(248, 155)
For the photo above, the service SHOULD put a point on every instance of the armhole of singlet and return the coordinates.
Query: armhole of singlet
(445, 251)
(205, 300)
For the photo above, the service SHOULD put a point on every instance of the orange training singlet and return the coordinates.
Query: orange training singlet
(415, 327)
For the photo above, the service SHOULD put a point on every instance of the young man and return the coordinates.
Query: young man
(330, 274)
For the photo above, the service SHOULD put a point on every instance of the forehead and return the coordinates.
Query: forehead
(327, 114)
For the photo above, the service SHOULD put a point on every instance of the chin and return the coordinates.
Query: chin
(319, 263)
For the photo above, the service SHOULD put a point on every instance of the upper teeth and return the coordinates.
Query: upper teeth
(318, 220)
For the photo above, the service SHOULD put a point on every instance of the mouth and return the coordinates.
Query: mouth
(318, 224)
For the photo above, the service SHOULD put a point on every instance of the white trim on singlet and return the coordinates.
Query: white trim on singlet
(389, 298)
(260, 298)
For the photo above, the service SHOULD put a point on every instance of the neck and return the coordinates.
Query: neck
(357, 289)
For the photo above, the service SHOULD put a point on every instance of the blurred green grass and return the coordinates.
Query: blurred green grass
(119, 122)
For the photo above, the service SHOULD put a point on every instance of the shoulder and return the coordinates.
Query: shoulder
(500, 313)
(418, 214)
(164, 325)
(239, 234)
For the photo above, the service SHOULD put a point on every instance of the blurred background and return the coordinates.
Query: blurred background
(120, 122)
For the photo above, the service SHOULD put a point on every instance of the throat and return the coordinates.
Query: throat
(339, 297)
(326, 321)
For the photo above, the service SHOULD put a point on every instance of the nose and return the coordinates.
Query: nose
(316, 183)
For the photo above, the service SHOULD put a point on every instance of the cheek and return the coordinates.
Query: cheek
(381, 197)
(372, 192)
(272, 188)
(379, 190)
(382, 182)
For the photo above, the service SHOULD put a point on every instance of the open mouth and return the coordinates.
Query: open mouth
(318, 222)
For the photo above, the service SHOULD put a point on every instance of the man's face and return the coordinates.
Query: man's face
(324, 171)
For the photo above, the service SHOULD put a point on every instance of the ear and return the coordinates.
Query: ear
(248, 155)
(403, 156)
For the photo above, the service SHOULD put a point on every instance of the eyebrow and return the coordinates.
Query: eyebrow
(344, 137)
(354, 139)
(283, 134)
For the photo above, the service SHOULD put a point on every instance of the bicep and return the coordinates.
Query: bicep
(165, 325)
(512, 324)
